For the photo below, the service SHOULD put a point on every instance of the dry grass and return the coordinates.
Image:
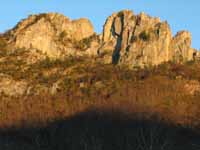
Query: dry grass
(153, 95)
(156, 91)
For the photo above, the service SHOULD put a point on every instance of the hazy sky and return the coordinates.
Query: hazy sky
(180, 14)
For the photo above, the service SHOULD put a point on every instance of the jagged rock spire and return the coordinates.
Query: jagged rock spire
(127, 39)
(141, 40)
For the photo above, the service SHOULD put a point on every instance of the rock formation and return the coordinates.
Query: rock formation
(181, 46)
(47, 41)
(52, 33)
(140, 40)
(127, 39)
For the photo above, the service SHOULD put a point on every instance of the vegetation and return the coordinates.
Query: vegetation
(85, 43)
(3, 45)
(120, 14)
(80, 45)
(144, 35)
(2, 42)
(62, 35)
(101, 106)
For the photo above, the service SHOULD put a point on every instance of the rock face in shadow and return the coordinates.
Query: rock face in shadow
(141, 40)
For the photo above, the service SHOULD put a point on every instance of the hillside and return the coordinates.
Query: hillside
(134, 86)
(47, 46)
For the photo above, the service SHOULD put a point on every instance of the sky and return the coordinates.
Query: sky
(180, 14)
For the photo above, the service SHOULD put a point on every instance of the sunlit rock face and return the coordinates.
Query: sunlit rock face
(127, 39)
(181, 45)
(51, 33)
(141, 40)
(39, 46)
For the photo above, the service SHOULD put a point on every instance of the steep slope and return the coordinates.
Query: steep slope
(46, 52)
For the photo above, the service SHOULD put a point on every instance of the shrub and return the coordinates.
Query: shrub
(81, 45)
(144, 36)
(62, 35)
(121, 13)
(86, 42)
(3, 43)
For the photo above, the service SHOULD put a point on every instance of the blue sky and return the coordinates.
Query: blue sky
(180, 14)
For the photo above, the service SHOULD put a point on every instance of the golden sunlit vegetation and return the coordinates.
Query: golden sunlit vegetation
(133, 109)
(3, 45)
(65, 87)
(161, 89)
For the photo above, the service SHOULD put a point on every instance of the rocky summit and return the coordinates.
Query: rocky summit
(52, 34)
(141, 40)
(127, 39)
(48, 53)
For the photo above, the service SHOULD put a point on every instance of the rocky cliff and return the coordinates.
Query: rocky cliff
(127, 39)
(141, 40)
(53, 34)
(47, 53)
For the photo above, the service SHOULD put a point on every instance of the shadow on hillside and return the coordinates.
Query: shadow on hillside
(97, 130)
